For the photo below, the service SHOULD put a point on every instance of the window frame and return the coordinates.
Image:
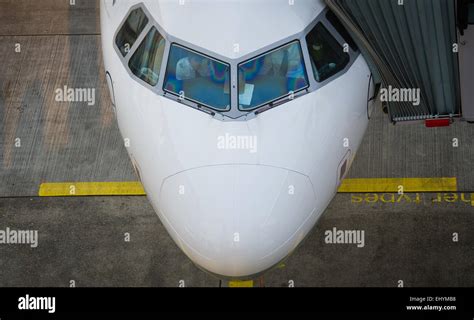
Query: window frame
(234, 112)
(353, 54)
(340, 44)
(135, 51)
(122, 24)
(126, 60)
(198, 103)
(271, 102)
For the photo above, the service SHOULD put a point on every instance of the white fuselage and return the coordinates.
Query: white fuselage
(236, 196)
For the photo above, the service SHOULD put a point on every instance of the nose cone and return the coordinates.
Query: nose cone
(237, 220)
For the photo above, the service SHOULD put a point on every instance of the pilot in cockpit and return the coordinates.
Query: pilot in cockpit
(285, 63)
(321, 57)
(192, 66)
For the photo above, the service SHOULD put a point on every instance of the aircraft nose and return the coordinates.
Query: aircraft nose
(237, 220)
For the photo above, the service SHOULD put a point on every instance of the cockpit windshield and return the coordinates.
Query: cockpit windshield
(236, 88)
(272, 76)
(193, 76)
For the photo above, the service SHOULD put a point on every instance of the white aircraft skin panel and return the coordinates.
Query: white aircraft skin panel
(230, 222)
(228, 191)
(267, 21)
(319, 120)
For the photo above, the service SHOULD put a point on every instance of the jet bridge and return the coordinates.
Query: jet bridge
(414, 51)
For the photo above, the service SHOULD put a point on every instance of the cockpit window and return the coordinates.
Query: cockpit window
(237, 89)
(146, 61)
(327, 55)
(198, 78)
(271, 76)
(131, 29)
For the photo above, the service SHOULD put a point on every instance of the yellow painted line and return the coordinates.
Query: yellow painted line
(72, 189)
(371, 185)
(241, 284)
(374, 185)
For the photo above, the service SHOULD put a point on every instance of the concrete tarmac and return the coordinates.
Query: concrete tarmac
(84, 239)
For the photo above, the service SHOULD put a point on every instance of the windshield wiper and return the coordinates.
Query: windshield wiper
(206, 109)
(280, 101)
